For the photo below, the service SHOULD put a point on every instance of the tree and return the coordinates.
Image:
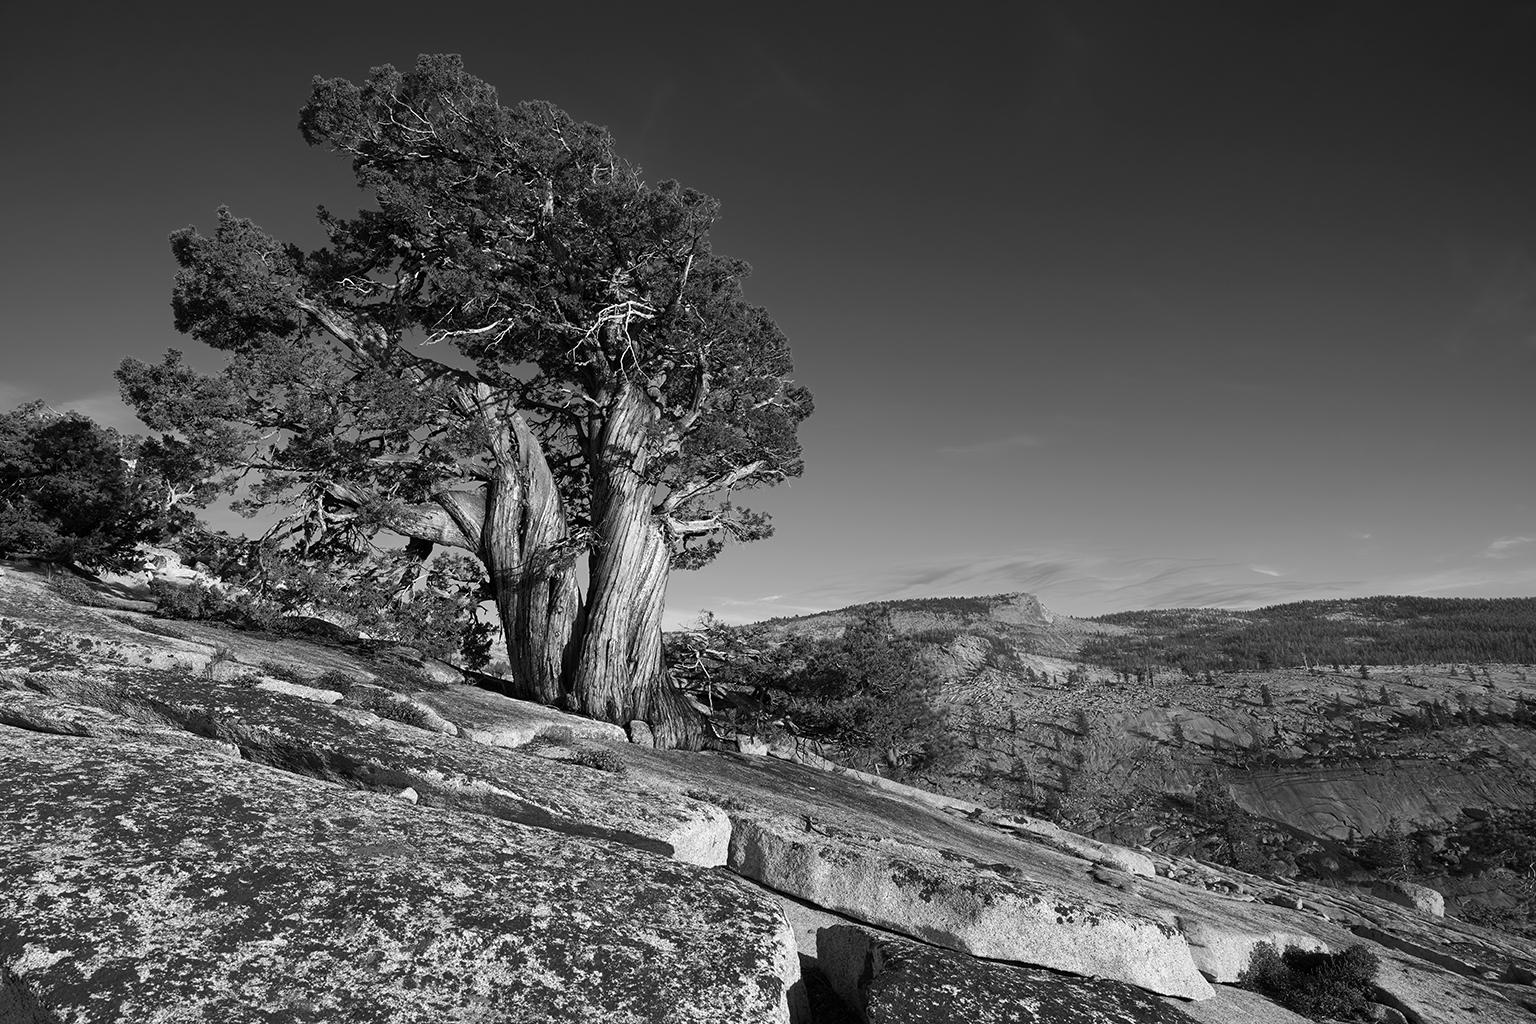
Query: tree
(870, 691)
(76, 493)
(524, 351)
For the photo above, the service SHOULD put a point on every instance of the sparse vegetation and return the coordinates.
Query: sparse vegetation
(599, 759)
(385, 705)
(287, 673)
(74, 590)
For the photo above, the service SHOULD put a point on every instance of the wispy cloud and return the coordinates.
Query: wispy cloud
(1081, 582)
(1265, 570)
(994, 446)
(1506, 546)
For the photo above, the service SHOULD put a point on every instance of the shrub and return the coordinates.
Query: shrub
(870, 691)
(198, 601)
(335, 679)
(66, 493)
(1390, 852)
(74, 590)
(287, 673)
(599, 759)
(396, 709)
(1315, 984)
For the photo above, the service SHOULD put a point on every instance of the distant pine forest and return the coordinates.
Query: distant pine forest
(1341, 633)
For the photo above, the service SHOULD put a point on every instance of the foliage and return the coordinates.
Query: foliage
(287, 673)
(335, 679)
(1360, 632)
(431, 606)
(202, 602)
(867, 691)
(870, 690)
(729, 670)
(600, 760)
(74, 590)
(1390, 853)
(604, 391)
(76, 493)
(390, 706)
(1335, 986)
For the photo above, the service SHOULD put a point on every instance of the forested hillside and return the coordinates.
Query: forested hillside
(1362, 631)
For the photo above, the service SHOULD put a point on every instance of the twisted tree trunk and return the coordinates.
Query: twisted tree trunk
(619, 674)
(523, 547)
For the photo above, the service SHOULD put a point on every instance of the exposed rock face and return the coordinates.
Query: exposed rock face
(360, 749)
(1364, 799)
(137, 877)
(968, 908)
(486, 810)
(1409, 894)
(895, 981)
(487, 718)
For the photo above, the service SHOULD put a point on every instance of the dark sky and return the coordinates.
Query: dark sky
(1126, 304)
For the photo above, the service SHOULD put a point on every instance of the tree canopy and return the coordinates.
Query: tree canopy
(77, 493)
(522, 349)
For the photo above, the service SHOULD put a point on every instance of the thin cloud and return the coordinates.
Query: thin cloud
(1506, 546)
(995, 446)
(1082, 583)
(1265, 571)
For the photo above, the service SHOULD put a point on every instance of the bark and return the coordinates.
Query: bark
(619, 673)
(524, 548)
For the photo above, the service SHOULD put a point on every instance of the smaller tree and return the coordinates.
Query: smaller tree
(76, 493)
(870, 691)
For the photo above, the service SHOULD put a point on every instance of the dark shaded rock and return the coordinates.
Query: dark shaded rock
(897, 981)
(136, 877)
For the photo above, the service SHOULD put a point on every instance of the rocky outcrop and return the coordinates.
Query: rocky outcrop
(494, 720)
(449, 799)
(358, 748)
(970, 908)
(137, 876)
(896, 981)
(1367, 798)
(1412, 895)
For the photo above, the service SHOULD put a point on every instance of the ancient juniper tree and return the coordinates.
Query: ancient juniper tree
(521, 349)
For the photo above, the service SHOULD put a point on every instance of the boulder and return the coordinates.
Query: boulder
(1411, 895)
(640, 734)
(136, 877)
(897, 981)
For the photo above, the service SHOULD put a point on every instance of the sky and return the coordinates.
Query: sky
(1126, 305)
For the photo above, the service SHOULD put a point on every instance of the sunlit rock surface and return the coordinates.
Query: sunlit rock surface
(121, 742)
(144, 882)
